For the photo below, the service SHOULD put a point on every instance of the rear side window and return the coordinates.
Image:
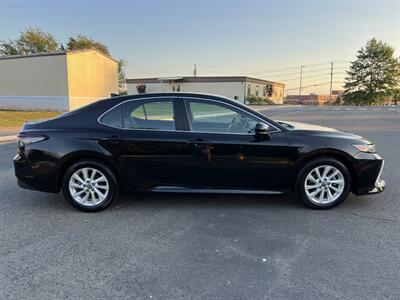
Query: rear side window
(158, 115)
(155, 115)
(113, 118)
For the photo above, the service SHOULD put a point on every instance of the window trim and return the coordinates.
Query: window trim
(172, 98)
(231, 105)
(177, 98)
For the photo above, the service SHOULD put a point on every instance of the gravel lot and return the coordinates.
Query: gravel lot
(148, 246)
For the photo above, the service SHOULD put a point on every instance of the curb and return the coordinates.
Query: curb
(8, 138)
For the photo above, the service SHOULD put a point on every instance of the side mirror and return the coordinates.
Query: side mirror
(261, 131)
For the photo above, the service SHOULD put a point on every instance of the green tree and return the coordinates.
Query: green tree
(373, 76)
(81, 42)
(32, 40)
(396, 97)
(269, 90)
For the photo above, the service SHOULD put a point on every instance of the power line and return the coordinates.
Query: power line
(283, 69)
(265, 73)
(305, 77)
(320, 71)
(295, 73)
(313, 85)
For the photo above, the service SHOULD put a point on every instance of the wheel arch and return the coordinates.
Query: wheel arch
(77, 156)
(341, 156)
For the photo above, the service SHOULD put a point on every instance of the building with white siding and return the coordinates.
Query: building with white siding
(234, 87)
(56, 81)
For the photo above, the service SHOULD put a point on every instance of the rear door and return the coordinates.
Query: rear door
(150, 146)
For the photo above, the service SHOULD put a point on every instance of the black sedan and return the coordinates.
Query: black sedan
(181, 142)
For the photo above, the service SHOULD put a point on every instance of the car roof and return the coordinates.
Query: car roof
(171, 94)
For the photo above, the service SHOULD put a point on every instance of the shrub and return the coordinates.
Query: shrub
(254, 100)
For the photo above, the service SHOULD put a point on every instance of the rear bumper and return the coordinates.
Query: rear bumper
(36, 176)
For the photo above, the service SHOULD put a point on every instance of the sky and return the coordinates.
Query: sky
(262, 39)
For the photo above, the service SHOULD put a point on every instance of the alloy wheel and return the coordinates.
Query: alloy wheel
(88, 186)
(324, 184)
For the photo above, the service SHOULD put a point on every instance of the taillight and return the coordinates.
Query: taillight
(26, 139)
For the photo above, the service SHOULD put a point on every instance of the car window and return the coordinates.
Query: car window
(113, 118)
(219, 118)
(157, 115)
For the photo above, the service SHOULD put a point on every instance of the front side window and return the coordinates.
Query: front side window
(219, 118)
(158, 115)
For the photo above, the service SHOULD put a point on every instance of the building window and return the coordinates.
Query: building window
(257, 90)
(248, 90)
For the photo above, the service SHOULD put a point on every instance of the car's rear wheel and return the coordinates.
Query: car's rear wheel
(324, 183)
(89, 186)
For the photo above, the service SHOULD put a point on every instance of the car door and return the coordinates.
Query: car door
(150, 146)
(226, 153)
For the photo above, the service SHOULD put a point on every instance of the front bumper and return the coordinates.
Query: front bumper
(369, 174)
(379, 183)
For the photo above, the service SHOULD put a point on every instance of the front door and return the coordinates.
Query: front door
(226, 154)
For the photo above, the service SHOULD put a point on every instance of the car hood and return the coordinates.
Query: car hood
(305, 126)
(312, 128)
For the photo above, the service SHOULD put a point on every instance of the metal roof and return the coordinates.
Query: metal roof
(204, 79)
(41, 54)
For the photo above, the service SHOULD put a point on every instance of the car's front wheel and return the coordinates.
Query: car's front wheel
(323, 183)
(89, 186)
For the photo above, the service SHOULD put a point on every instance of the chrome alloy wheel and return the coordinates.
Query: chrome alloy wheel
(324, 184)
(88, 186)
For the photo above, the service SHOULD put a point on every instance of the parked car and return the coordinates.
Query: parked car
(182, 142)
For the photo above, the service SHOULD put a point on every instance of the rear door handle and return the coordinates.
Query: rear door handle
(113, 139)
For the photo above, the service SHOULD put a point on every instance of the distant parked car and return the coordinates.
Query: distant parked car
(181, 142)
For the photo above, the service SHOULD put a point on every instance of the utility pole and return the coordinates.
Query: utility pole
(330, 86)
(301, 80)
(195, 70)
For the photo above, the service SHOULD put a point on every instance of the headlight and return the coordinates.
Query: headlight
(366, 148)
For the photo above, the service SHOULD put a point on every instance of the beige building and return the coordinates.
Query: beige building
(56, 81)
(234, 87)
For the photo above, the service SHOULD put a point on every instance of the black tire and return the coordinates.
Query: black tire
(113, 187)
(321, 161)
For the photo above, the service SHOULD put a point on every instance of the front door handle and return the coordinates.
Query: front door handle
(198, 142)
(202, 149)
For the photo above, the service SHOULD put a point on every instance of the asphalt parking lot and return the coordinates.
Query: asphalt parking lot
(148, 246)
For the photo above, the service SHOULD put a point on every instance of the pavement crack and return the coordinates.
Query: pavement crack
(367, 217)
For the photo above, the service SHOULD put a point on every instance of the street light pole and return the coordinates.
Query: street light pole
(301, 80)
(195, 70)
(330, 87)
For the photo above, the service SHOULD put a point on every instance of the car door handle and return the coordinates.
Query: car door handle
(113, 139)
(198, 142)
